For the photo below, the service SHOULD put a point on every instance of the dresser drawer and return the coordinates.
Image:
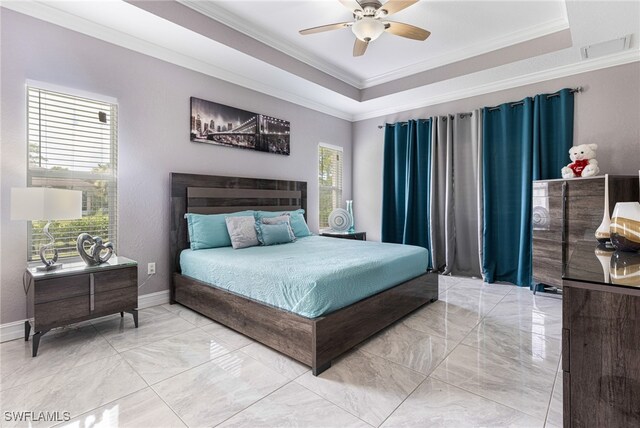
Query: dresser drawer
(49, 290)
(60, 312)
(115, 279)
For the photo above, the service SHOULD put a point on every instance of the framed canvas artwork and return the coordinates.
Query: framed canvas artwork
(213, 123)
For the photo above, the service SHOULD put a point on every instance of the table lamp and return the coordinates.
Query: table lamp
(44, 203)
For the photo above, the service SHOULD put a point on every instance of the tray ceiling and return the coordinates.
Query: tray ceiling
(459, 30)
(476, 47)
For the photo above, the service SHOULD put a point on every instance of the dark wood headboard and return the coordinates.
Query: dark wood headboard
(215, 194)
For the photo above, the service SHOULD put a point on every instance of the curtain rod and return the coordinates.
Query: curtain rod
(463, 115)
(555, 94)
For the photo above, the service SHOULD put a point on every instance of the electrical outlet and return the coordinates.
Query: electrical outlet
(151, 269)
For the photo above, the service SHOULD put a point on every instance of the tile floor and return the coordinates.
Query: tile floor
(483, 355)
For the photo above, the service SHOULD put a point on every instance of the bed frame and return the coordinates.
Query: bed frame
(314, 342)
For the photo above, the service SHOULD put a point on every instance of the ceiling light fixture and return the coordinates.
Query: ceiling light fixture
(367, 29)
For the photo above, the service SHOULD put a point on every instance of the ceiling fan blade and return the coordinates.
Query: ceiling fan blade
(406, 30)
(359, 47)
(394, 6)
(352, 5)
(323, 28)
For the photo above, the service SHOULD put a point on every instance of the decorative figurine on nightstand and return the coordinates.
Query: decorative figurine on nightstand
(94, 256)
(352, 225)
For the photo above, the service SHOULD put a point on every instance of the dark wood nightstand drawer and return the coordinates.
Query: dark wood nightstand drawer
(49, 290)
(115, 279)
(116, 300)
(59, 312)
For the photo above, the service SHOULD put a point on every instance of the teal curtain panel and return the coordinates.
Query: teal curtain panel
(552, 134)
(406, 183)
(521, 142)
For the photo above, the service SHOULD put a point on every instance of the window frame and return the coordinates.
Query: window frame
(110, 177)
(339, 190)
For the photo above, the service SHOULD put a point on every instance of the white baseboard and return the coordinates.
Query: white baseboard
(153, 299)
(15, 330)
(11, 330)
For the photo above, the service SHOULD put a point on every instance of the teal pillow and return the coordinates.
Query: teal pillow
(299, 226)
(210, 230)
(272, 234)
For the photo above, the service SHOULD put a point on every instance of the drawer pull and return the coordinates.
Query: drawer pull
(92, 303)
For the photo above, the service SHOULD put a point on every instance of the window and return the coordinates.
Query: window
(73, 145)
(329, 180)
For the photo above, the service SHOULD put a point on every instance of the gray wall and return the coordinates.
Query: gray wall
(606, 113)
(153, 99)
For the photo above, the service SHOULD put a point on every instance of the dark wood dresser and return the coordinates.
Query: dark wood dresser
(77, 292)
(601, 337)
(570, 210)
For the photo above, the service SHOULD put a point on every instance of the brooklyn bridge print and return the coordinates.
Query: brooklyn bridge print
(214, 123)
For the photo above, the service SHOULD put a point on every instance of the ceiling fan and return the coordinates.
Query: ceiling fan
(370, 22)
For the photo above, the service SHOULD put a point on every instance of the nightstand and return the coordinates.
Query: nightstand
(358, 236)
(77, 292)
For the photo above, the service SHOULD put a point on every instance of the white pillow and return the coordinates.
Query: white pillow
(242, 231)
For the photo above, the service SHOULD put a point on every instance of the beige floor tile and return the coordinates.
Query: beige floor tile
(515, 343)
(525, 317)
(411, 348)
(228, 335)
(518, 384)
(294, 406)
(59, 350)
(76, 391)
(554, 417)
(438, 404)
(474, 285)
(282, 364)
(192, 316)
(140, 409)
(444, 320)
(471, 299)
(161, 360)
(365, 385)
(122, 334)
(213, 392)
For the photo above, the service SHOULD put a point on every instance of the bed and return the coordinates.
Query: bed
(308, 310)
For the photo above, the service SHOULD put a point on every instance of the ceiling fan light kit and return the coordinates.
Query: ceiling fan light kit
(368, 26)
(368, 29)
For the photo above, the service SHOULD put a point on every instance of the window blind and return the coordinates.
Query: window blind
(72, 144)
(330, 181)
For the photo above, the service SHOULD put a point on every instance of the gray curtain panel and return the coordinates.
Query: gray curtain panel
(456, 194)
(441, 208)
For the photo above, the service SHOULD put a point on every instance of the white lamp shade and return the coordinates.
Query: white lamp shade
(44, 203)
(367, 29)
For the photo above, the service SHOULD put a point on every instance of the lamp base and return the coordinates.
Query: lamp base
(47, 268)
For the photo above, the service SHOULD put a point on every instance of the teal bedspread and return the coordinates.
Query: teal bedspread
(310, 277)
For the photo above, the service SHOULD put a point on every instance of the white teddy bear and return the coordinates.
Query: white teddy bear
(584, 163)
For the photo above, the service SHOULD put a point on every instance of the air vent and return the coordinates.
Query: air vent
(606, 48)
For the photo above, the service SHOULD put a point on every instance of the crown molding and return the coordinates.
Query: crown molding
(268, 38)
(470, 51)
(614, 60)
(49, 13)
